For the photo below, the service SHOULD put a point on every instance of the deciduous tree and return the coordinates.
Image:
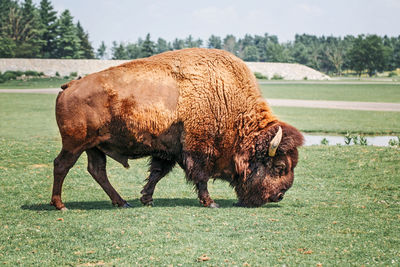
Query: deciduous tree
(368, 54)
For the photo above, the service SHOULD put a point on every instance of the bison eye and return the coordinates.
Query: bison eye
(280, 168)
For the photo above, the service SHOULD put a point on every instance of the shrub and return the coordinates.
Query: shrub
(277, 77)
(392, 74)
(357, 139)
(32, 73)
(57, 74)
(347, 138)
(325, 142)
(305, 78)
(362, 140)
(73, 75)
(394, 142)
(10, 75)
(260, 76)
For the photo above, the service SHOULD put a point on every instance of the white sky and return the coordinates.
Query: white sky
(127, 20)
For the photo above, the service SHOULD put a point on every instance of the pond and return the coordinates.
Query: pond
(334, 140)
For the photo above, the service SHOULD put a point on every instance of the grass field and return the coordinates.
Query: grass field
(310, 120)
(335, 121)
(377, 92)
(342, 210)
(34, 83)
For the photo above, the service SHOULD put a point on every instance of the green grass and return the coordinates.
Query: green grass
(34, 83)
(369, 92)
(31, 107)
(342, 210)
(28, 116)
(378, 92)
(336, 121)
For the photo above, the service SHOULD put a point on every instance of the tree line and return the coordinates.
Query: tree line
(36, 32)
(27, 31)
(332, 55)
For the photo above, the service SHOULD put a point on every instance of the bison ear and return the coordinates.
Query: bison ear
(241, 165)
(288, 136)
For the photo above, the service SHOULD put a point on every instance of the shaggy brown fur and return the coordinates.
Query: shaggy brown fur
(200, 108)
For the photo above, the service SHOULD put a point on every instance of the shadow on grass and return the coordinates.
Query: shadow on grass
(135, 203)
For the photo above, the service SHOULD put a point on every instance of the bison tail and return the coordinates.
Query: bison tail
(66, 85)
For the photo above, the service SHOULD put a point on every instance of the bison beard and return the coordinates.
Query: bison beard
(200, 108)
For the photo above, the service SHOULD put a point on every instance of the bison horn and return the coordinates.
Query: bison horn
(275, 143)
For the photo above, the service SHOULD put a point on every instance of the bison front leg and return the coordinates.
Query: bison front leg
(195, 165)
(204, 196)
(97, 168)
(158, 169)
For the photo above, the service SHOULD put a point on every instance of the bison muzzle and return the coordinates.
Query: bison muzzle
(200, 108)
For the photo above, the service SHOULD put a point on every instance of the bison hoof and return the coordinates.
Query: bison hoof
(63, 209)
(146, 200)
(214, 205)
(59, 206)
(126, 205)
(149, 204)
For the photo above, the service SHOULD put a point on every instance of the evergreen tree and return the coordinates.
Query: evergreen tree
(48, 18)
(178, 44)
(7, 42)
(118, 51)
(101, 51)
(85, 46)
(30, 42)
(162, 46)
(67, 41)
(214, 42)
(148, 47)
(132, 51)
(189, 42)
(198, 43)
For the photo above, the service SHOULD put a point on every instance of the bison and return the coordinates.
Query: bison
(200, 108)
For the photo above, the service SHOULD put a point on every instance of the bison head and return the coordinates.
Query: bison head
(266, 170)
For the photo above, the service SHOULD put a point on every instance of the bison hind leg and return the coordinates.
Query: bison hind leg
(62, 164)
(158, 169)
(97, 168)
